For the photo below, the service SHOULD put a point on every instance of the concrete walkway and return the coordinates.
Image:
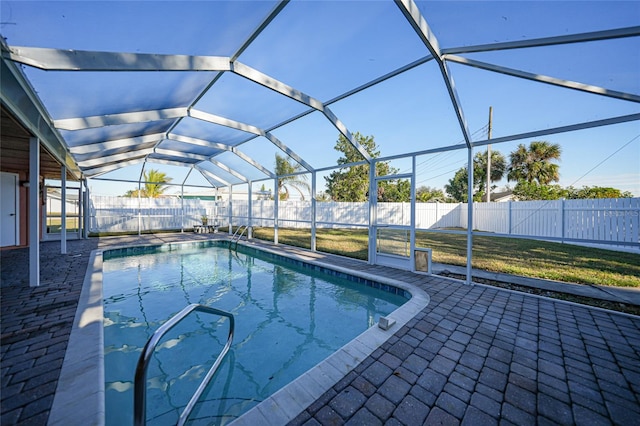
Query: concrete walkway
(628, 295)
(476, 355)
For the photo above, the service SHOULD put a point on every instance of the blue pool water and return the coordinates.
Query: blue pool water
(288, 319)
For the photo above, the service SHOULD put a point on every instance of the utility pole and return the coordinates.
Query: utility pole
(489, 156)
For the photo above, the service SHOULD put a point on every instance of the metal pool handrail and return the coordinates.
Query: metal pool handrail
(238, 234)
(139, 386)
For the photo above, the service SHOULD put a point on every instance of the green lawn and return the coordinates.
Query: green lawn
(54, 224)
(530, 258)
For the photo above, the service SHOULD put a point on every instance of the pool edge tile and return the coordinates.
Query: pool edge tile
(77, 367)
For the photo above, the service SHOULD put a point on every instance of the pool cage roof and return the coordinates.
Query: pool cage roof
(219, 87)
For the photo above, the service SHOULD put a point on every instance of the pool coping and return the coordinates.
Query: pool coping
(79, 398)
(80, 393)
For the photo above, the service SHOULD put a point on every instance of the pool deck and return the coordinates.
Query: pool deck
(475, 355)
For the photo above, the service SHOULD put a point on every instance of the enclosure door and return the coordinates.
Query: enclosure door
(392, 221)
(9, 210)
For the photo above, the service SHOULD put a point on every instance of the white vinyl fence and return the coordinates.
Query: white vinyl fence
(601, 220)
(121, 214)
(597, 220)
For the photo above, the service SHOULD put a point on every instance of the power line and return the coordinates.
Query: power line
(608, 157)
(482, 130)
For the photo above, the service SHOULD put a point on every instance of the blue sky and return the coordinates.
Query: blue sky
(326, 48)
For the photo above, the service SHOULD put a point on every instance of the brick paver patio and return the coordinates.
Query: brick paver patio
(476, 355)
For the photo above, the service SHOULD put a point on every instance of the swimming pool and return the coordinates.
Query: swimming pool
(288, 319)
(80, 394)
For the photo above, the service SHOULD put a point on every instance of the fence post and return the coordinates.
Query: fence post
(562, 206)
(510, 216)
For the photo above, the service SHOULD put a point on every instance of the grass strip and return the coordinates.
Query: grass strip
(529, 258)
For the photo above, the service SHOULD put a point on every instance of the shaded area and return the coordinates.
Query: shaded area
(36, 324)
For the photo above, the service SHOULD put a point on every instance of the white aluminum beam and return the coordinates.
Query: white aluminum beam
(167, 162)
(254, 163)
(117, 119)
(18, 96)
(344, 95)
(83, 60)
(181, 154)
(275, 85)
(223, 121)
(229, 170)
(116, 157)
(226, 122)
(515, 137)
(210, 176)
(96, 171)
(412, 13)
(263, 25)
(548, 41)
(202, 142)
(346, 133)
(288, 151)
(381, 79)
(419, 24)
(544, 79)
(561, 129)
(187, 176)
(116, 144)
(197, 141)
(292, 93)
(101, 154)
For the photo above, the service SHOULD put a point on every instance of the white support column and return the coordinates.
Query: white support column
(412, 237)
(81, 231)
(276, 202)
(373, 201)
(63, 210)
(87, 210)
(469, 213)
(140, 199)
(182, 208)
(216, 220)
(230, 204)
(34, 212)
(139, 209)
(313, 211)
(249, 210)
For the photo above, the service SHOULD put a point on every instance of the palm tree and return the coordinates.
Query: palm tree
(155, 183)
(534, 163)
(285, 167)
(498, 166)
